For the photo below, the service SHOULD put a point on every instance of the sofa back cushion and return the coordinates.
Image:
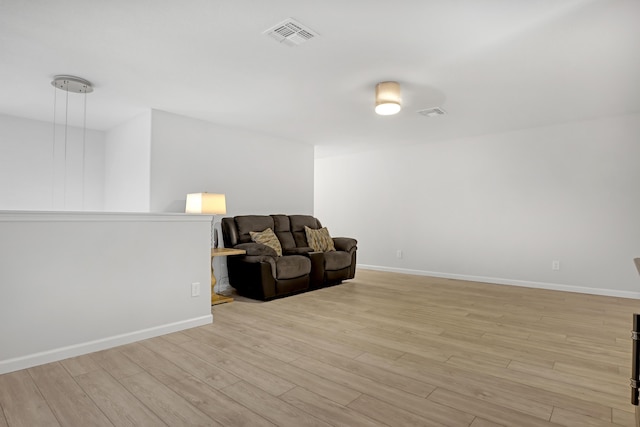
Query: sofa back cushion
(288, 228)
(298, 222)
(283, 231)
(247, 223)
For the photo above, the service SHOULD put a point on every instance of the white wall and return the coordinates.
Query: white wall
(128, 166)
(76, 283)
(149, 164)
(497, 208)
(259, 174)
(34, 174)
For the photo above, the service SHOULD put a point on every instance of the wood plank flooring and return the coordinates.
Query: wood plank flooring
(381, 350)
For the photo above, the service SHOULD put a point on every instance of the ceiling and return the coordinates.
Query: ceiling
(493, 65)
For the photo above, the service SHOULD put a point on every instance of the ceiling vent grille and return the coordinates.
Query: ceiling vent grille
(291, 33)
(432, 112)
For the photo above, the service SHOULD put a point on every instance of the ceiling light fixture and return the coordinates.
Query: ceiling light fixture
(74, 85)
(388, 100)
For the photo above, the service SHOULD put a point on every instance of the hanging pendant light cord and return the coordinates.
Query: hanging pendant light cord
(66, 128)
(53, 151)
(84, 142)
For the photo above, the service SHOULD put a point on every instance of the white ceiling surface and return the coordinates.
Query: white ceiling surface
(493, 65)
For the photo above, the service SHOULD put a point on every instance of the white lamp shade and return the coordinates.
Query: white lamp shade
(206, 203)
(388, 100)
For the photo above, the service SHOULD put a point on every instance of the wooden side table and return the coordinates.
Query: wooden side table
(216, 298)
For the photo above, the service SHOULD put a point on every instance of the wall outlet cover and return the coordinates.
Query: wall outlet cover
(195, 289)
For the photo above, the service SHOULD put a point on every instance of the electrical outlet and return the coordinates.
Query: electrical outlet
(399, 253)
(195, 289)
(555, 265)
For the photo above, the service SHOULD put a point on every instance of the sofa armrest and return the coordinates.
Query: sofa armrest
(253, 276)
(346, 244)
(257, 249)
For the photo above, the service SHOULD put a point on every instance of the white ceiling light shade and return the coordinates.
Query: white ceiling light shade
(388, 100)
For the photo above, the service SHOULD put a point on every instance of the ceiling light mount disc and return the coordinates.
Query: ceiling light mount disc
(72, 84)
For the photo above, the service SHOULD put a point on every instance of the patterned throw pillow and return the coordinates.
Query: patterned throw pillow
(267, 238)
(319, 240)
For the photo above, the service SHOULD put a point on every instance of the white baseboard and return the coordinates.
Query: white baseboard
(510, 282)
(28, 361)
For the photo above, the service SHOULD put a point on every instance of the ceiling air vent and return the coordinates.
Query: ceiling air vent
(290, 33)
(432, 112)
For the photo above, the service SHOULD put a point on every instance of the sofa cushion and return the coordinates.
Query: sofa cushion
(319, 240)
(247, 223)
(283, 231)
(298, 222)
(267, 238)
(291, 266)
(257, 249)
(337, 260)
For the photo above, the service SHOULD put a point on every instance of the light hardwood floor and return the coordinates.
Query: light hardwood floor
(383, 349)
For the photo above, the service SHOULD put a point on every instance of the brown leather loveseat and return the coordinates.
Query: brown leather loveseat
(264, 274)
